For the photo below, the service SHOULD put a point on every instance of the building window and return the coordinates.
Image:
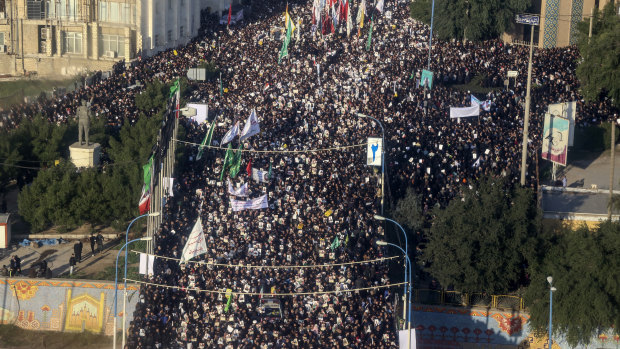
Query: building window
(35, 9)
(169, 36)
(1, 39)
(181, 31)
(112, 43)
(64, 9)
(72, 42)
(116, 12)
(2, 5)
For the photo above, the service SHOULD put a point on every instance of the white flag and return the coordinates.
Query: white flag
(253, 204)
(465, 112)
(251, 126)
(241, 191)
(196, 243)
(231, 134)
(146, 264)
(380, 6)
(260, 176)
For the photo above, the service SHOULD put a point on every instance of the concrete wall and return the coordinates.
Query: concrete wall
(63, 305)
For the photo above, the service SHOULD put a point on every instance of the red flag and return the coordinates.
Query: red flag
(145, 201)
(229, 13)
(249, 168)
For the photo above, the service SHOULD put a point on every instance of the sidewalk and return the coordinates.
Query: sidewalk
(57, 257)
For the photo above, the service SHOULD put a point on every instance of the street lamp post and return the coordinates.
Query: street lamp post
(381, 218)
(430, 36)
(551, 289)
(148, 238)
(383, 243)
(382, 156)
(152, 214)
(532, 20)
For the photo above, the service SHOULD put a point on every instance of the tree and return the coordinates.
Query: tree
(408, 211)
(483, 241)
(585, 266)
(599, 70)
(469, 19)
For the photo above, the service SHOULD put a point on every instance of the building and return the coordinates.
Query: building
(68, 37)
(558, 21)
(5, 230)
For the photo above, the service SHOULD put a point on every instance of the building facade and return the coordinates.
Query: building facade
(67, 37)
(558, 21)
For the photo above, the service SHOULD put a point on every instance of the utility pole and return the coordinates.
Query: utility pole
(591, 21)
(611, 174)
(532, 20)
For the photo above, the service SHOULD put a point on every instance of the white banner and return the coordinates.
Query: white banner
(196, 243)
(146, 264)
(253, 204)
(251, 126)
(231, 134)
(260, 175)
(407, 343)
(374, 149)
(241, 191)
(465, 112)
(202, 110)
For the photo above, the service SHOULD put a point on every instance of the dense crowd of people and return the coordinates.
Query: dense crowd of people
(320, 203)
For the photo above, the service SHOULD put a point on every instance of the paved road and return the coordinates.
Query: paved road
(58, 262)
(584, 173)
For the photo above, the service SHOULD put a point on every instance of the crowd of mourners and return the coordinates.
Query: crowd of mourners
(320, 203)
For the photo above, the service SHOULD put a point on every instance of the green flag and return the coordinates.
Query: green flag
(174, 88)
(228, 303)
(269, 174)
(369, 34)
(235, 163)
(148, 171)
(335, 244)
(207, 140)
(229, 152)
(284, 51)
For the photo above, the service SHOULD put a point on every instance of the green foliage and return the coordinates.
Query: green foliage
(585, 266)
(470, 19)
(599, 70)
(153, 97)
(62, 195)
(408, 211)
(483, 242)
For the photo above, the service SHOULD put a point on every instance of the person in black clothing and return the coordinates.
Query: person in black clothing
(16, 265)
(77, 248)
(100, 242)
(93, 240)
(72, 263)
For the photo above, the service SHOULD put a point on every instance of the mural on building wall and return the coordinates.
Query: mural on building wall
(62, 305)
(84, 313)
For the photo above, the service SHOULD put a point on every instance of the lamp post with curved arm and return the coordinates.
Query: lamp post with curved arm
(383, 243)
(116, 285)
(381, 218)
(152, 214)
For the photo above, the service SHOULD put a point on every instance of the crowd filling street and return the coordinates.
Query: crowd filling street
(321, 202)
